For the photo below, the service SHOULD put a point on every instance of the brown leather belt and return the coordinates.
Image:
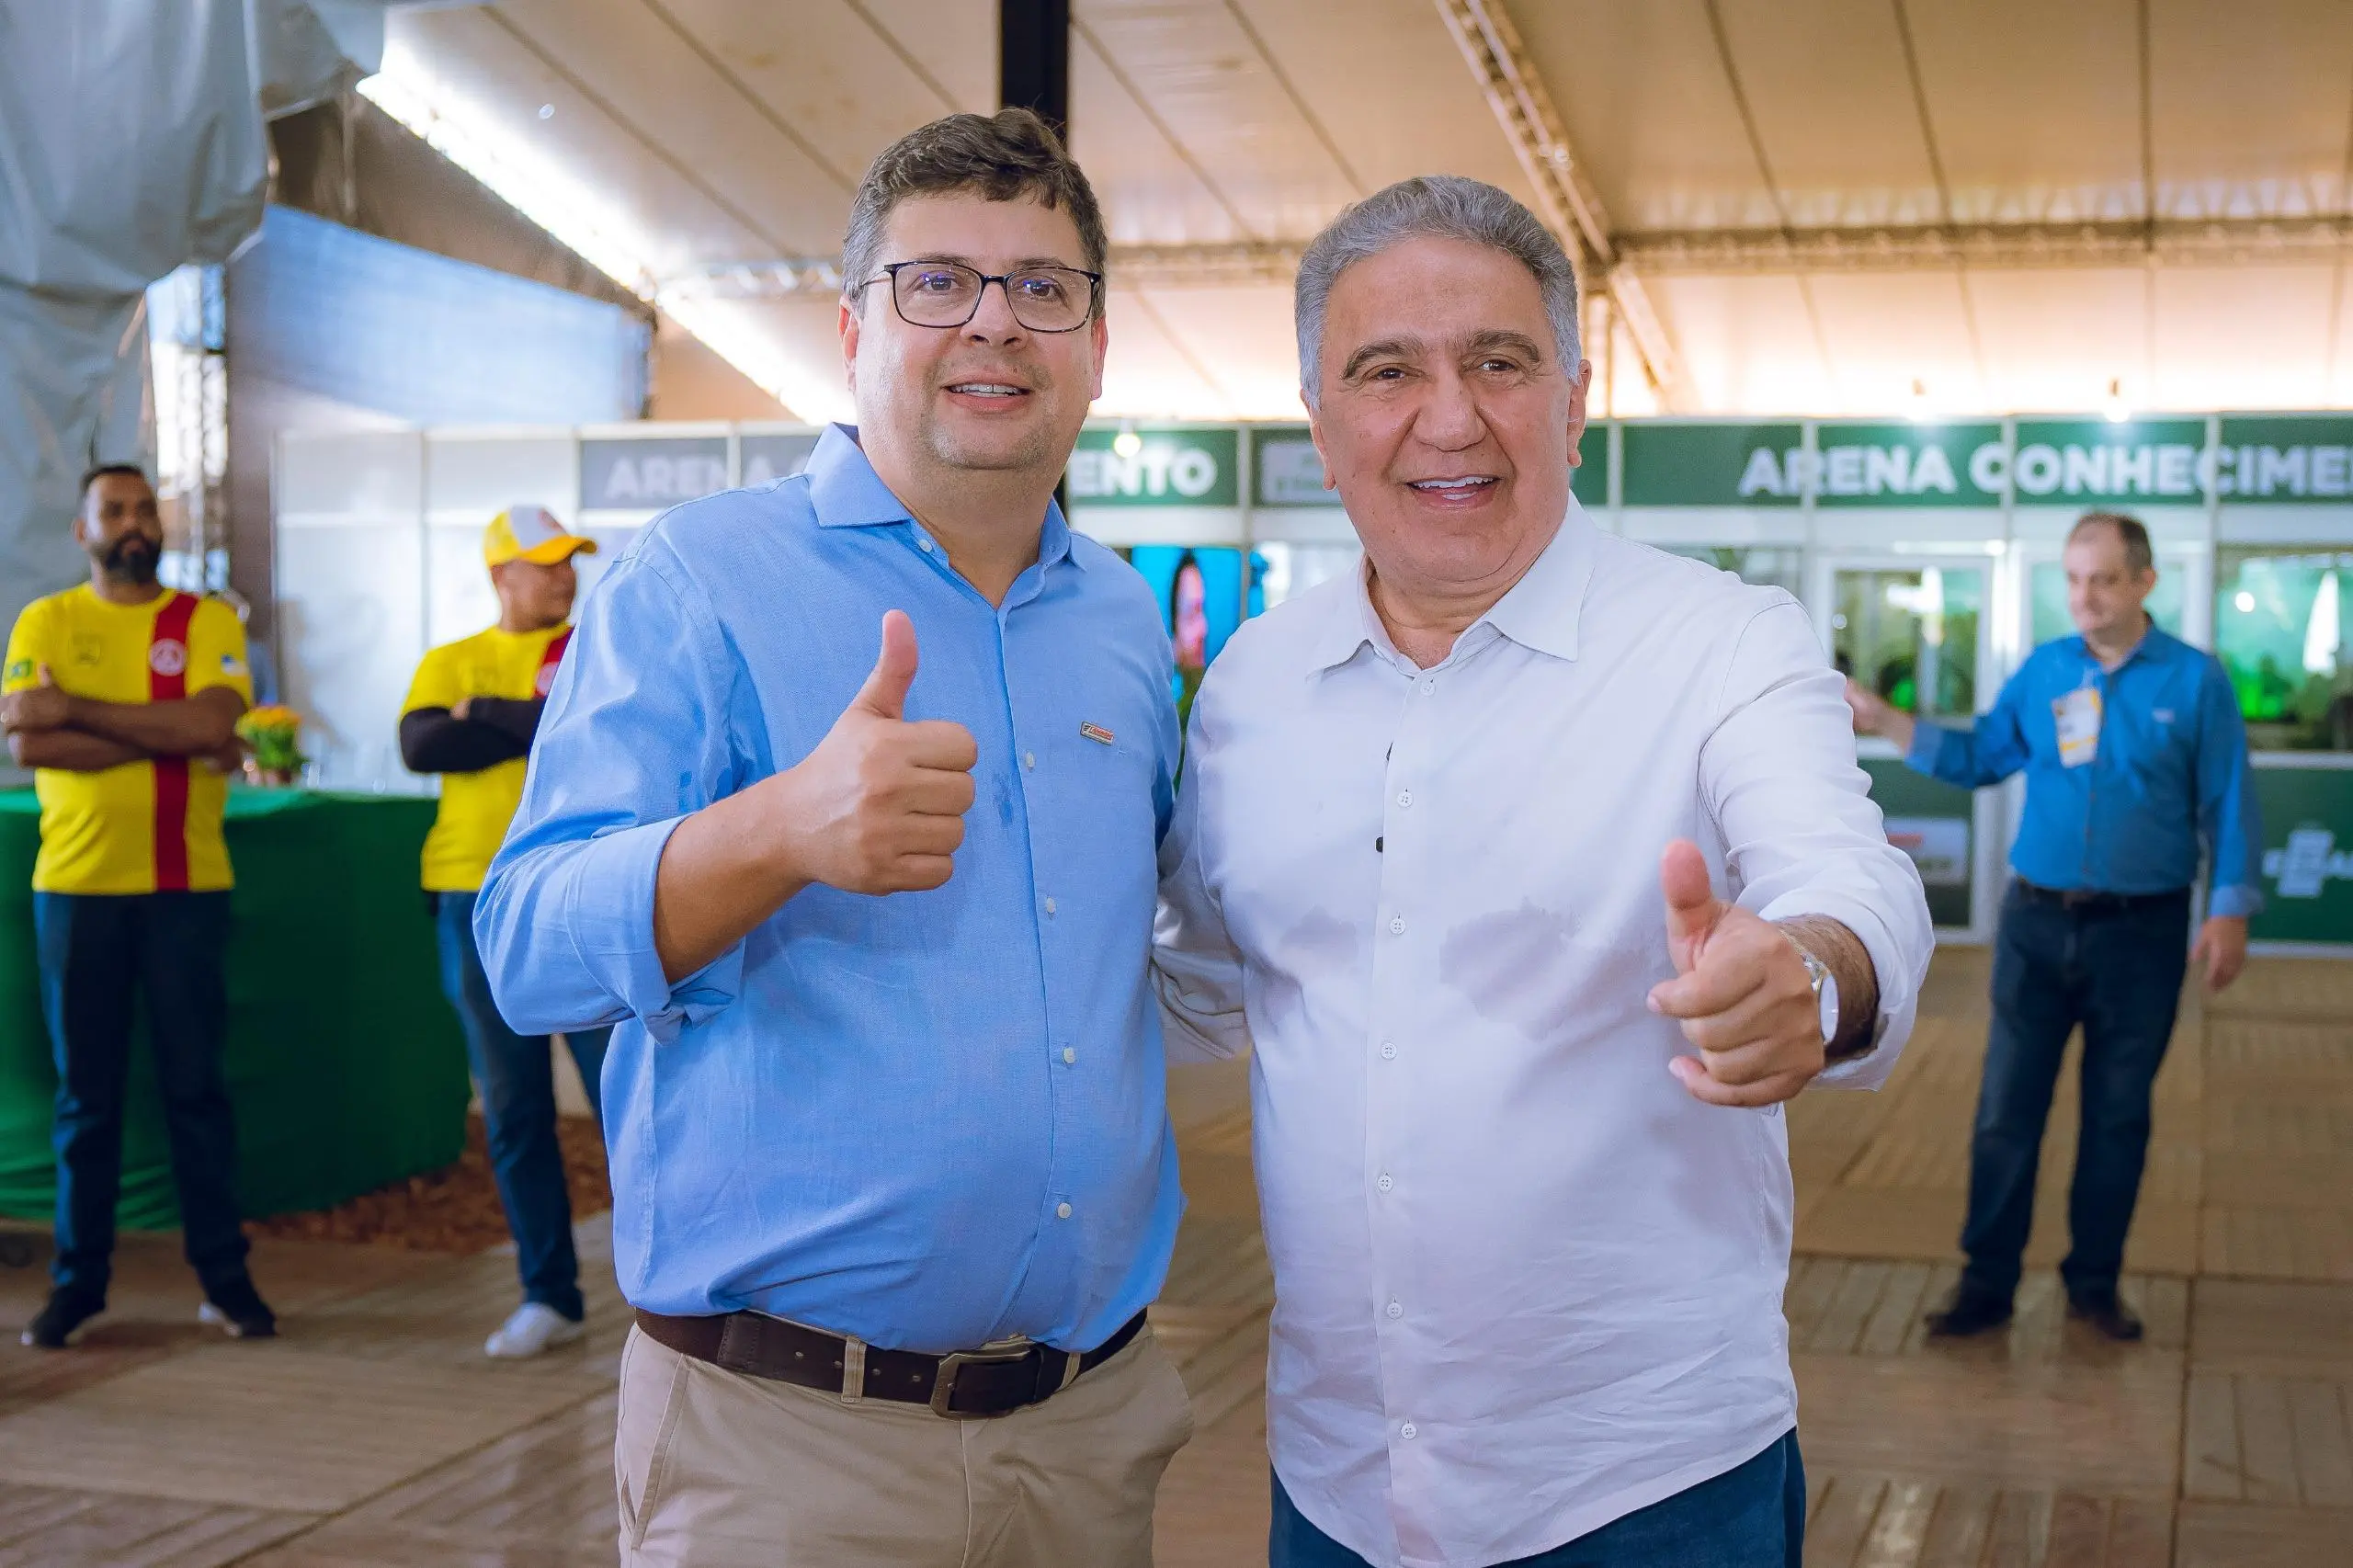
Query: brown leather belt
(962, 1383)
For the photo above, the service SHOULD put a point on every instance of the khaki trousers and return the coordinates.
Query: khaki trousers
(716, 1469)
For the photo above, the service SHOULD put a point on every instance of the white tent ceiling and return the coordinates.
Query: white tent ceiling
(1831, 205)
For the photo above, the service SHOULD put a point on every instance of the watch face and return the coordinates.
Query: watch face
(1829, 1008)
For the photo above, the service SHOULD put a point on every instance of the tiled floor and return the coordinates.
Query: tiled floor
(374, 1435)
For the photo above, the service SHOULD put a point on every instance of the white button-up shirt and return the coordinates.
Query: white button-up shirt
(1525, 1283)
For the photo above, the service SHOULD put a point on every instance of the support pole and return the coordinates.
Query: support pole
(1033, 59)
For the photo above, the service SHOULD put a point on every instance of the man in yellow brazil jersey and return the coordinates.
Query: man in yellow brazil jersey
(469, 717)
(123, 697)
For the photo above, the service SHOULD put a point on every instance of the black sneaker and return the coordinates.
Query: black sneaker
(2107, 1313)
(1968, 1312)
(61, 1318)
(239, 1308)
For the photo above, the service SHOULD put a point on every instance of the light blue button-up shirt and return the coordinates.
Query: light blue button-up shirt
(928, 1119)
(2170, 770)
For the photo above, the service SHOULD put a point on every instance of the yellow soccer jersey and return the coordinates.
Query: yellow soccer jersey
(151, 826)
(476, 807)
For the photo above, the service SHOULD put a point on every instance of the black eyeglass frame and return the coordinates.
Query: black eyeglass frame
(1003, 281)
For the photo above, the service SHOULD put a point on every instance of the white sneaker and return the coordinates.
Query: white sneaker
(532, 1328)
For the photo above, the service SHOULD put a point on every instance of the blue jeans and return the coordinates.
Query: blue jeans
(1751, 1517)
(96, 954)
(2118, 973)
(517, 1076)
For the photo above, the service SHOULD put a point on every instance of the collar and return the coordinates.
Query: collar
(1541, 611)
(2155, 644)
(847, 493)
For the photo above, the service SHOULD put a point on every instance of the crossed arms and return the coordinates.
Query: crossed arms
(49, 728)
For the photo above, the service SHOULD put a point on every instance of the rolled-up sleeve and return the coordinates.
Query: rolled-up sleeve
(1802, 833)
(636, 737)
(1196, 972)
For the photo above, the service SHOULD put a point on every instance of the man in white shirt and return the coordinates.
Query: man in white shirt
(1444, 855)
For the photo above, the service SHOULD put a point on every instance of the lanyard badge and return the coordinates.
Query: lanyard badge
(2078, 714)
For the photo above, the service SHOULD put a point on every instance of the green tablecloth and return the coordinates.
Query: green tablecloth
(345, 1063)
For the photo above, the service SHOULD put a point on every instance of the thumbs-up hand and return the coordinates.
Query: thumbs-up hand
(1740, 990)
(42, 707)
(878, 806)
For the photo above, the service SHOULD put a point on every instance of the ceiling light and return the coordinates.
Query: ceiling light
(2114, 411)
(1127, 443)
(580, 218)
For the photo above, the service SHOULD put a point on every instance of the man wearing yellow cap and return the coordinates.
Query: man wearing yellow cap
(469, 717)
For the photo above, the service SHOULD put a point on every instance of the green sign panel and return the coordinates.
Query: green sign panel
(1173, 465)
(1589, 480)
(2307, 869)
(2286, 459)
(1850, 465)
(1713, 465)
(2083, 462)
(1902, 464)
(1286, 469)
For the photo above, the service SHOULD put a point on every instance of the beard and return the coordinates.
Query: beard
(130, 559)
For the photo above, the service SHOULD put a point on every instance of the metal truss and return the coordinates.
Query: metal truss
(2009, 246)
(1694, 252)
(1568, 201)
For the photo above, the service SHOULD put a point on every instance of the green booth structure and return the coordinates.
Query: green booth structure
(1928, 552)
(345, 1064)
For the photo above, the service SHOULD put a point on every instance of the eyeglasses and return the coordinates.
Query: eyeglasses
(948, 294)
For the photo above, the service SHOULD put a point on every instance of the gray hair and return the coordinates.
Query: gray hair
(1445, 206)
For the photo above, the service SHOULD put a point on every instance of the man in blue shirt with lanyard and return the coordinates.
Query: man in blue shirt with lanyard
(2134, 757)
(885, 1103)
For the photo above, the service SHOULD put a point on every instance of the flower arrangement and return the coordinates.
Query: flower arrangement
(274, 734)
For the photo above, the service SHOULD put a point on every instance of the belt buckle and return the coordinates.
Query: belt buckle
(943, 1385)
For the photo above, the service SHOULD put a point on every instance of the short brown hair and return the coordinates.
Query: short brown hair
(1003, 156)
(2129, 531)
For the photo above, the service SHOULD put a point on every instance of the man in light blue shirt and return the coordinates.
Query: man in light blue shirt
(2135, 759)
(886, 1102)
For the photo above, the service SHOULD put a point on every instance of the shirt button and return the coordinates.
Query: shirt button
(1389, 1051)
(1385, 1183)
(1396, 924)
(1428, 686)
(1069, 1054)
(1049, 906)
(1407, 1432)
(1029, 759)
(1062, 1210)
(923, 545)
(1397, 1310)
(1404, 797)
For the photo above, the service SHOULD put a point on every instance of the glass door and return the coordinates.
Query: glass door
(1915, 630)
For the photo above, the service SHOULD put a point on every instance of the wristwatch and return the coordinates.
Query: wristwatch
(1826, 991)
